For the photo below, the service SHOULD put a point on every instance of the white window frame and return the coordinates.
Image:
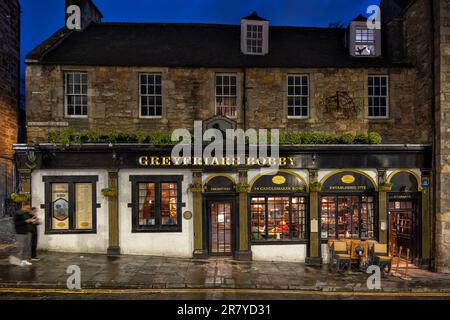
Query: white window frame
(301, 96)
(265, 36)
(154, 95)
(66, 104)
(379, 96)
(215, 94)
(258, 33)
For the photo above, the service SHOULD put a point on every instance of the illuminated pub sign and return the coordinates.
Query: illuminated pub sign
(348, 181)
(162, 161)
(279, 182)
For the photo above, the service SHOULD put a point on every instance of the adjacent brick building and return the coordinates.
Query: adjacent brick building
(160, 77)
(9, 93)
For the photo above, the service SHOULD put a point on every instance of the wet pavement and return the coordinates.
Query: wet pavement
(100, 272)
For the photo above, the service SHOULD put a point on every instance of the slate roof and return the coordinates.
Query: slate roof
(197, 45)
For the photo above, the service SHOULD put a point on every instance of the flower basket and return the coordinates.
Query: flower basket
(20, 197)
(109, 192)
(242, 187)
(386, 186)
(315, 187)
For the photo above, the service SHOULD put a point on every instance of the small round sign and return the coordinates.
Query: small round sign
(187, 215)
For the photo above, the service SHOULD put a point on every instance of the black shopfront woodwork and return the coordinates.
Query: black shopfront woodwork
(159, 205)
(50, 205)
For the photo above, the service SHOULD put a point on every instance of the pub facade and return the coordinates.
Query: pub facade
(98, 190)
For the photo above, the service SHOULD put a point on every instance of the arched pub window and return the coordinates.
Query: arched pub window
(347, 206)
(404, 229)
(278, 206)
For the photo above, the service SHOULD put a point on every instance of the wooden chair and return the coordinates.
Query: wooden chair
(340, 256)
(380, 257)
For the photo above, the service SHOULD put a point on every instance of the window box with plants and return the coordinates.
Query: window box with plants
(109, 192)
(315, 187)
(386, 186)
(242, 187)
(20, 197)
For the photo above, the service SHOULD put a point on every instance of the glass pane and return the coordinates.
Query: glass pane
(83, 205)
(169, 212)
(147, 204)
(328, 222)
(298, 225)
(258, 210)
(60, 206)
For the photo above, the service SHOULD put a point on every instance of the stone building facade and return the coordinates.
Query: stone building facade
(9, 93)
(110, 63)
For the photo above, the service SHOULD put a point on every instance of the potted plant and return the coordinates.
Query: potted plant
(109, 192)
(20, 197)
(196, 187)
(386, 186)
(242, 187)
(315, 187)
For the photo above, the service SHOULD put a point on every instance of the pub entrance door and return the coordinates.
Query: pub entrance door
(403, 227)
(221, 225)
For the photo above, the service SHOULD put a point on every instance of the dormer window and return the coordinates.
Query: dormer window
(364, 41)
(254, 35)
(254, 38)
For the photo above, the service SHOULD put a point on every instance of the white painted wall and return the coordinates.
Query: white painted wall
(179, 244)
(288, 253)
(83, 243)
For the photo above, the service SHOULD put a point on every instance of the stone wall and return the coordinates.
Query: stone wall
(9, 75)
(188, 95)
(9, 93)
(442, 26)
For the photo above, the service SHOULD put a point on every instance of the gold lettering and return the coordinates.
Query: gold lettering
(215, 162)
(186, 161)
(291, 161)
(143, 161)
(272, 162)
(198, 161)
(177, 161)
(282, 162)
(166, 161)
(154, 161)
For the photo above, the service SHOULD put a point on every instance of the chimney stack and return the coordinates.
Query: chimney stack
(88, 10)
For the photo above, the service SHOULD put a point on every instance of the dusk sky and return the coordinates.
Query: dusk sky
(41, 18)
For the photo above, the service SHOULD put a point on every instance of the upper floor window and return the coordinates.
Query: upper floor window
(226, 95)
(150, 96)
(75, 94)
(378, 96)
(364, 42)
(254, 38)
(298, 96)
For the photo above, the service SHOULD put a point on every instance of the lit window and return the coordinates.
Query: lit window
(347, 217)
(378, 87)
(278, 218)
(298, 96)
(364, 42)
(75, 94)
(226, 95)
(254, 38)
(156, 204)
(150, 95)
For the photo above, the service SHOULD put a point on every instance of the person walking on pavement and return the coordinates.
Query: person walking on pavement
(23, 222)
(34, 235)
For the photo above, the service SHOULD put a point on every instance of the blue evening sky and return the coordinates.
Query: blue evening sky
(41, 18)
